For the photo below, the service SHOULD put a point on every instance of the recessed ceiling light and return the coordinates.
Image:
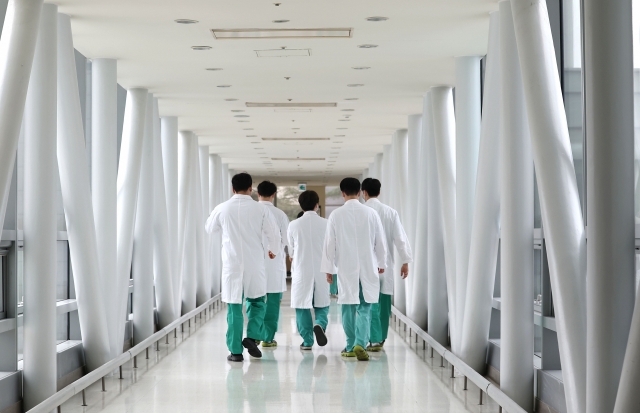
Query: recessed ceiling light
(351, 99)
(337, 142)
(201, 47)
(231, 99)
(361, 67)
(355, 85)
(240, 116)
(344, 120)
(237, 110)
(279, 33)
(296, 139)
(341, 128)
(339, 136)
(252, 136)
(247, 129)
(213, 69)
(291, 105)
(185, 21)
(297, 159)
(377, 19)
(347, 110)
(224, 85)
(295, 128)
(367, 46)
(243, 121)
(281, 21)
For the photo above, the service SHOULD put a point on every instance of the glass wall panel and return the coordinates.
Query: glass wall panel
(636, 100)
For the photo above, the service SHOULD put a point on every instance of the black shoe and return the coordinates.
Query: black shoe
(321, 337)
(252, 347)
(235, 357)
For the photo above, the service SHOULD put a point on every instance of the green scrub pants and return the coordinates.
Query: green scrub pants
(235, 323)
(305, 323)
(333, 289)
(356, 321)
(272, 316)
(380, 314)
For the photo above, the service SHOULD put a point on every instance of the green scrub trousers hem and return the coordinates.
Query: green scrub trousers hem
(333, 289)
(305, 323)
(235, 323)
(271, 317)
(380, 314)
(356, 321)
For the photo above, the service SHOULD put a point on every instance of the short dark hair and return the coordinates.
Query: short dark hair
(266, 189)
(308, 200)
(301, 213)
(241, 182)
(372, 186)
(350, 186)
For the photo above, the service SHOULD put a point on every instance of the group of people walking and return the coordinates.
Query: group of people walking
(356, 242)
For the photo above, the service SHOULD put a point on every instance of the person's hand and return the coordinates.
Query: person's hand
(329, 278)
(272, 255)
(290, 259)
(404, 271)
(380, 270)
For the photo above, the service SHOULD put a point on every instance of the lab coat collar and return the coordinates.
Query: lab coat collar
(372, 200)
(265, 202)
(241, 196)
(351, 201)
(310, 213)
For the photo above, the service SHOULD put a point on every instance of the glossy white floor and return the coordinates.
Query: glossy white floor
(191, 374)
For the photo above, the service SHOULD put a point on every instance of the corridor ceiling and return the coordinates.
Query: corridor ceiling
(415, 50)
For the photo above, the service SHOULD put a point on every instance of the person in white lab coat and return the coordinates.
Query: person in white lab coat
(395, 235)
(309, 288)
(245, 226)
(277, 268)
(355, 245)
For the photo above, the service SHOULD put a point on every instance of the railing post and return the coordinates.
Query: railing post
(104, 388)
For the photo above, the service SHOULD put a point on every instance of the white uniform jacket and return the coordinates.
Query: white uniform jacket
(309, 286)
(244, 225)
(355, 246)
(277, 268)
(394, 235)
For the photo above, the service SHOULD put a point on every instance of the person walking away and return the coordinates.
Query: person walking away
(277, 268)
(394, 235)
(309, 288)
(355, 248)
(244, 225)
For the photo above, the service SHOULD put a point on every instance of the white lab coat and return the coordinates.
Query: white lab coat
(355, 245)
(277, 268)
(394, 235)
(309, 286)
(243, 222)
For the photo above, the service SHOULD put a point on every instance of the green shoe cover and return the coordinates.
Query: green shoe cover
(361, 353)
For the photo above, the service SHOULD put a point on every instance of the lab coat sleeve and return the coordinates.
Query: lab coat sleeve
(284, 228)
(213, 225)
(290, 242)
(380, 243)
(270, 229)
(401, 241)
(328, 264)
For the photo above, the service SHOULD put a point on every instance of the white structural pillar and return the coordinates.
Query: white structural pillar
(559, 199)
(203, 288)
(215, 183)
(104, 173)
(127, 183)
(186, 220)
(444, 129)
(400, 170)
(516, 223)
(485, 233)
(378, 163)
(162, 254)
(419, 274)
(143, 238)
(76, 197)
(608, 70)
(169, 138)
(385, 176)
(437, 289)
(17, 46)
(411, 198)
(226, 183)
(467, 110)
(40, 224)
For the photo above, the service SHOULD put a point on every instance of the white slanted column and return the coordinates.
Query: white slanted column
(104, 174)
(444, 129)
(143, 239)
(467, 106)
(485, 234)
(17, 46)
(401, 153)
(516, 223)
(162, 256)
(76, 197)
(215, 184)
(411, 198)
(203, 286)
(559, 199)
(40, 224)
(226, 183)
(128, 182)
(611, 294)
(378, 166)
(419, 273)
(169, 138)
(386, 179)
(186, 220)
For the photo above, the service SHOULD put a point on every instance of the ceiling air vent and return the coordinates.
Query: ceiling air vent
(281, 33)
(291, 105)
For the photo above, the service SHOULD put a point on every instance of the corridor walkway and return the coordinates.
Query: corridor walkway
(192, 375)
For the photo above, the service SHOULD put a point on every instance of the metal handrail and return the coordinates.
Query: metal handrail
(493, 391)
(78, 386)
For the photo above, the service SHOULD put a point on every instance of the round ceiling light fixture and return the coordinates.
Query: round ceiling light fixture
(240, 116)
(237, 110)
(339, 136)
(351, 98)
(247, 129)
(367, 46)
(347, 110)
(280, 21)
(186, 21)
(231, 100)
(361, 67)
(201, 47)
(243, 121)
(224, 85)
(213, 69)
(355, 85)
(344, 120)
(341, 128)
(377, 19)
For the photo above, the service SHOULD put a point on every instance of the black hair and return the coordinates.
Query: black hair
(241, 182)
(266, 189)
(301, 213)
(350, 186)
(308, 200)
(372, 186)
